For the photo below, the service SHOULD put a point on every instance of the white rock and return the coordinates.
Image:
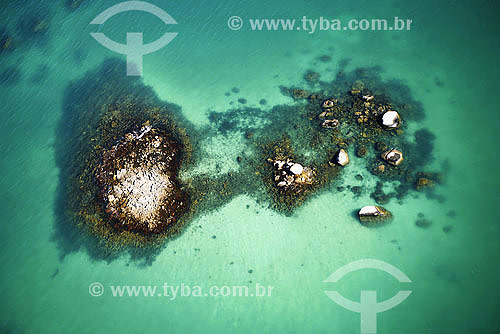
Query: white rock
(281, 184)
(296, 169)
(369, 210)
(391, 119)
(342, 158)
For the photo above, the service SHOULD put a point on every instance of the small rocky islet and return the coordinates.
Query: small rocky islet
(120, 151)
(126, 156)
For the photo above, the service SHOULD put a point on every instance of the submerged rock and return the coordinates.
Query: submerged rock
(361, 151)
(300, 94)
(393, 157)
(374, 215)
(423, 182)
(380, 146)
(311, 77)
(423, 223)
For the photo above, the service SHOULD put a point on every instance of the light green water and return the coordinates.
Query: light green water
(454, 275)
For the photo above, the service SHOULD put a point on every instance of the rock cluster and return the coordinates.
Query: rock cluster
(369, 108)
(288, 173)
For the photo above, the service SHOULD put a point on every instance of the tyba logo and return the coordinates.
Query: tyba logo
(135, 49)
(368, 306)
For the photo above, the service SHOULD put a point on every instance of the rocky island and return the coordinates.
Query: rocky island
(121, 150)
(138, 181)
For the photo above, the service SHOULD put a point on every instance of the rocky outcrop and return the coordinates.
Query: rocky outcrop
(393, 157)
(374, 215)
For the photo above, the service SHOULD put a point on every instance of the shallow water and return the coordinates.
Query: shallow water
(449, 62)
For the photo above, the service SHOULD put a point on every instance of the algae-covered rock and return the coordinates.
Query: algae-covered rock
(423, 182)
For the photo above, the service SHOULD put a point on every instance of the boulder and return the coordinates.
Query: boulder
(374, 215)
(391, 120)
(342, 158)
(393, 157)
(296, 169)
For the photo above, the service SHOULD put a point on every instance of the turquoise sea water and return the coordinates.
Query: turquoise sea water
(449, 60)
